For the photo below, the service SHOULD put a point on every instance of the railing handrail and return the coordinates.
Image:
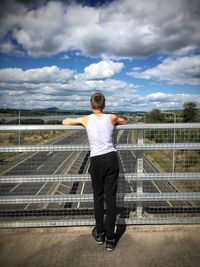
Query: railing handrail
(186, 176)
(23, 199)
(135, 126)
(81, 147)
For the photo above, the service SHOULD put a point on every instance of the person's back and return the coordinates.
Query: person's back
(99, 130)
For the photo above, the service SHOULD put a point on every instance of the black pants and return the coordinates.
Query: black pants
(104, 170)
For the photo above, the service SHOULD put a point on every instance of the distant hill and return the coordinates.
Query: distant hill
(53, 109)
(40, 112)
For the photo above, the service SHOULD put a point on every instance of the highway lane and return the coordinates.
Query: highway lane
(76, 162)
(128, 161)
(44, 163)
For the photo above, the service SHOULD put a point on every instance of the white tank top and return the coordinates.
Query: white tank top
(99, 130)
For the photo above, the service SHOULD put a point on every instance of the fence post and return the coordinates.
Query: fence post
(140, 163)
(19, 133)
(174, 155)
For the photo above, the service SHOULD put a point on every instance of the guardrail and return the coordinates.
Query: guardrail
(49, 184)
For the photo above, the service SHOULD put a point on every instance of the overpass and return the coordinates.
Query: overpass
(45, 181)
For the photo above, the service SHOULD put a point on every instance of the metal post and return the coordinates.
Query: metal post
(19, 134)
(174, 141)
(140, 162)
(56, 117)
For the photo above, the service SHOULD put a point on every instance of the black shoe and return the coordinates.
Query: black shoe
(100, 238)
(110, 244)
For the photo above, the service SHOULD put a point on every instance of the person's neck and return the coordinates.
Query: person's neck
(97, 111)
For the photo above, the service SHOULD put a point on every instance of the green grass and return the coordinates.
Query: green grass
(161, 159)
(28, 138)
(5, 155)
(163, 162)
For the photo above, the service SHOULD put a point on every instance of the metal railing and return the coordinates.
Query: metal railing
(45, 179)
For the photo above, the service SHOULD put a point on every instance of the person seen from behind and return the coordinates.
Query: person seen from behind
(104, 167)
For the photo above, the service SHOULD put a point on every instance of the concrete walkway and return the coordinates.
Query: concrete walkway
(138, 246)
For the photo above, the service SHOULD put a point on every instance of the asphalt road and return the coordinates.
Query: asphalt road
(44, 163)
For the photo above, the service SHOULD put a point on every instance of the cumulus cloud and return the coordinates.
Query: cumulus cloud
(183, 70)
(75, 94)
(170, 101)
(37, 75)
(7, 47)
(103, 69)
(124, 29)
(49, 86)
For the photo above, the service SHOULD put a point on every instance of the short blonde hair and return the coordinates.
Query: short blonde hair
(97, 101)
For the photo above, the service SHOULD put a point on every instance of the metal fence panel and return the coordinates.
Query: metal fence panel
(45, 181)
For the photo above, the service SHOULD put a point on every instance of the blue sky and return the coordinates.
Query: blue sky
(57, 53)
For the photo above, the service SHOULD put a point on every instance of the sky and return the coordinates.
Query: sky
(140, 54)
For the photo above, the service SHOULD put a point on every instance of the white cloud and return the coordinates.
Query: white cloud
(47, 86)
(75, 94)
(7, 47)
(170, 101)
(65, 57)
(137, 68)
(37, 75)
(124, 29)
(182, 70)
(103, 69)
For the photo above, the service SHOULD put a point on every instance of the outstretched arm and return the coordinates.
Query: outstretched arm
(75, 121)
(117, 120)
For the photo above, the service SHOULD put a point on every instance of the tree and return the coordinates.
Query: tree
(54, 122)
(190, 112)
(32, 121)
(155, 116)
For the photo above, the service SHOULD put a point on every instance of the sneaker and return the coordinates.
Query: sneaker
(100, 238)
(110, 244)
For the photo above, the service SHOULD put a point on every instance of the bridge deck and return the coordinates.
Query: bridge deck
(75, 247)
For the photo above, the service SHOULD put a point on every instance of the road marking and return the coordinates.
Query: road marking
(77, 154)
(156, 186)
(122, 162)
(82, 189)
(16, 166)
(67, 135)
(168, 202)
(36, 194)
(65, 185)
(124, 169)
(83, 186)
(15, 187)
(54, 142)
(133, 154)
(40, 166)
(60, 192)
(128, 135)
(161, 192)
(62, 163)
(19, 163)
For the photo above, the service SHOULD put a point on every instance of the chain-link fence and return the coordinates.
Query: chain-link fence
(45, 181)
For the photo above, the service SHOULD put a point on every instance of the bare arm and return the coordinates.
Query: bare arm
(75, 121)
(117, 120)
